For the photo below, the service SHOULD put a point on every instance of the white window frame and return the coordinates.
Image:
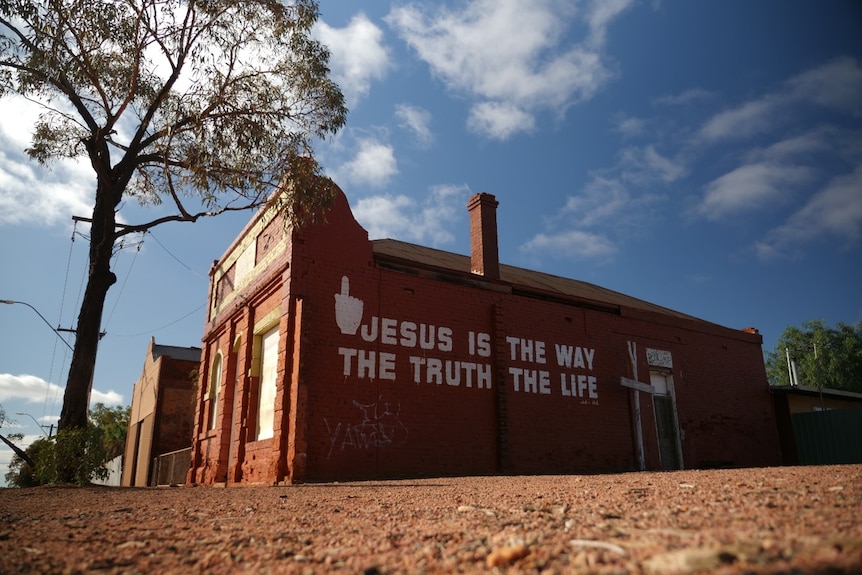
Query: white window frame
(267, 383)
(215, 389)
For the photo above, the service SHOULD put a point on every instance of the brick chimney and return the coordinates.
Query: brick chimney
(484, 257)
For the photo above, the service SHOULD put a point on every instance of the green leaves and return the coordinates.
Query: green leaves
(21, 473)
(113, 423)
(74, 455)
(206, 99)
(829, 357)
(203, 106)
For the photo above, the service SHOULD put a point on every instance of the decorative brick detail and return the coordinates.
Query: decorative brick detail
(269, 238)
(225, 286)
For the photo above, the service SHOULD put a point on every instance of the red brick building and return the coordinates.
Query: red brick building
(161, 418)
(327, 356)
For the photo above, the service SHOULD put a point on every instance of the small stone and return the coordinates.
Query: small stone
(506, 555)
(684, 561)
(615, 549)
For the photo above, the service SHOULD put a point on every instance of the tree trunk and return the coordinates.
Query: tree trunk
(19, 452)
(76, 399)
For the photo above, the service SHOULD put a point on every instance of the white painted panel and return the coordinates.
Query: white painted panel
(245, 264)
(659, 382)
(215, 390)
(268, 367)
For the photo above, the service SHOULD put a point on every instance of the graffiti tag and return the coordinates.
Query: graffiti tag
(379, 426)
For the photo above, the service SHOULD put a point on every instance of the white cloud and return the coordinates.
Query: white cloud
(751, 186)
(373, 165)
(618, 203)
(404, 218)
(834, 211)
(498, 120)
(768, 177)
(802, 145)
(511, 55)
(606, 202)
(743, 121)
(109, 397)
(417, 120)
(570, 244)
(600, 15)
(600, 201)
(690, 96)
(645, 165)
(357, 54)
(383, 216)
(629, 127)
(595, 220)
(33, 389)
(836, 84)
(27, 387)
(30, 193)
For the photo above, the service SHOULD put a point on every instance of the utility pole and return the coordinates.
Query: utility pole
(51, 427)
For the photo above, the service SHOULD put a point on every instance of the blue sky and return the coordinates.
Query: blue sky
(703, 156)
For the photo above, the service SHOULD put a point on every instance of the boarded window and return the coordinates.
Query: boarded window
(268, 368)
(215, 390)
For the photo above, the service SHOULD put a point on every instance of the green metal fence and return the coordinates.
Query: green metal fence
(828, 437)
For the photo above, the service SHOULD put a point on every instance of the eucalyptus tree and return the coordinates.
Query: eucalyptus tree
(203, 106)
(824, 356)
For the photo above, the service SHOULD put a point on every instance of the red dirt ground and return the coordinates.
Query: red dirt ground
(769, 520)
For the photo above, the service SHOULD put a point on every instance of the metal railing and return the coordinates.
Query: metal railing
(171, 468)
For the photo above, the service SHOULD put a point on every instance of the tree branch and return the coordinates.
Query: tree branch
(19, 452)
(189, 217)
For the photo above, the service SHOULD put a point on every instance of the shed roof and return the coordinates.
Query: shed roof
(176, 352)
(528, 282)
(811, 390)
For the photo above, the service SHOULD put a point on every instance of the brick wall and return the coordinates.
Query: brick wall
(161, 415)
(446, 374)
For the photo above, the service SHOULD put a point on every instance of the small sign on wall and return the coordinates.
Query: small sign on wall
(659, 358)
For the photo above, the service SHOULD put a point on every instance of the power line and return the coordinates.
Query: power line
(175, 257)
(194, 311)
(125, 280)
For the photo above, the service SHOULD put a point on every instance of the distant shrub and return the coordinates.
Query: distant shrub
(74, 456)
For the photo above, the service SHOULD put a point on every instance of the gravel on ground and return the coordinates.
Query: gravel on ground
(763, 520)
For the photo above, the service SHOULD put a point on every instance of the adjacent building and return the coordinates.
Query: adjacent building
(162, 410)
(818, 425)
(327, 356)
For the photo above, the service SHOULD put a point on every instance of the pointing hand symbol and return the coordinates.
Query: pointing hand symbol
(348, 309)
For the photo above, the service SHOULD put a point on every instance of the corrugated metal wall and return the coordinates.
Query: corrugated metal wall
(828, 437)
